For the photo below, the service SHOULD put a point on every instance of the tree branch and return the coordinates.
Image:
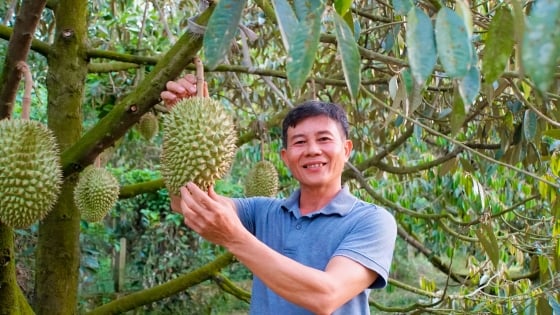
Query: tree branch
(18, 49)
(167, 289)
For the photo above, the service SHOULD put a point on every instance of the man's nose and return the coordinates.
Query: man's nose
(313, 148)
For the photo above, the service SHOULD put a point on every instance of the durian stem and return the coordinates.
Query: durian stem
(28, 80)
(199, 76)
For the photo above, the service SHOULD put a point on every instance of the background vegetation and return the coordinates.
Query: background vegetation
(455, 123)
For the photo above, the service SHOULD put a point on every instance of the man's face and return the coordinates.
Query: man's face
(316, 151)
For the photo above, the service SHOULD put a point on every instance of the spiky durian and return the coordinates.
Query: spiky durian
(95, 193)
(198, 143)
(148, 126)
(30, 172)
(262, 180)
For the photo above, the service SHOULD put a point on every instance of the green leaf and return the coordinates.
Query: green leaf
(541, 43)
(342, 6)
(422, 54)
(499, 44)
(529, 125)
(458, 114)
(469, 86)
(464, 11)
(453, 43)
(287, 21)
(221, 30)
(348, 50)
(402, 6)
(303, 48)
(489, 243)
(304, 8)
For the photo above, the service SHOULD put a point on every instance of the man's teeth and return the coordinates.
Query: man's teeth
(314, 165)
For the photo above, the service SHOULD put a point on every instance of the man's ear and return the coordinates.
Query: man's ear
(283, 155)
(348, 145)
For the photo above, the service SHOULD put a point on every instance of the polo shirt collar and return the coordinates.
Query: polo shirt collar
(341, 204)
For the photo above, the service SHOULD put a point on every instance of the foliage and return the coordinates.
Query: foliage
(455, 124)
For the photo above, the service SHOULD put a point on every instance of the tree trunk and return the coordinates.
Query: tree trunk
(58, 252)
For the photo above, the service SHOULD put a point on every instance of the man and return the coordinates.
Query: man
(318, 251)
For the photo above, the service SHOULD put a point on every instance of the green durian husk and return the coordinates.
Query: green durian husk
(30, 172)
(199, 143)
(148, 126)
(262, 180)
(95, 194)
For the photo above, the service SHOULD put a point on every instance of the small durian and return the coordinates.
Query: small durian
(148, 126)
(262, 180)
(95, 193)
(30, 172)
(199, 143)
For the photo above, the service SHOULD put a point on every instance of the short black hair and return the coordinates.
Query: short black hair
(314, 108)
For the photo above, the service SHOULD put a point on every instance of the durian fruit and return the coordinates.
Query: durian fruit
(30, 172)
(198, 143)
(95, 193)
(262, 180)
(148, 126)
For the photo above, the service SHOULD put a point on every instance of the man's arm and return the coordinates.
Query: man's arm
(215, 218)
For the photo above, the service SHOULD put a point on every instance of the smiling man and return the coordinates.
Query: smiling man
(319, 251)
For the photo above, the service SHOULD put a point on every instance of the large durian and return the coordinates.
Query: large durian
(95, 193)
(198, 143)
(148, 126)
(262, 180)
(30, 172)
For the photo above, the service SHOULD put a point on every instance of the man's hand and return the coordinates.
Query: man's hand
(184, 87)
(212, 216)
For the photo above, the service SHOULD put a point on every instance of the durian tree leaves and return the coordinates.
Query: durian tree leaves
(287, 21)
(489, 243)
(348, 50)
(541, 43)
(530, 125)
(420, 40)
(469, 85)
(342, 6)
(498, 45)
(458, 113)
(303, 48)
(453, 43)
(222, 28)
(402, 7)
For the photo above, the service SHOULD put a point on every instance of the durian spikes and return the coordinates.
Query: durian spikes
(30, 172)
(96, 193)
(262, 180)
(199, 143)
(148, 126)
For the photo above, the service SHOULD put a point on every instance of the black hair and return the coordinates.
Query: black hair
(312, 109)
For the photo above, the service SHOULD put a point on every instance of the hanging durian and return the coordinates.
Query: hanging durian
(199, 142)
(148, 126)
(30, 169)
(96, 193)
(30, 172)
(262, 180)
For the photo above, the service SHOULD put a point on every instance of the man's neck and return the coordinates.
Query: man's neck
(313, 199)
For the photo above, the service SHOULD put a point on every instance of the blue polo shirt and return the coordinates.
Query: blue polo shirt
(347, 227)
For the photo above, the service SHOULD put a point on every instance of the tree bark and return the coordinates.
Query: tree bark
(58, 253)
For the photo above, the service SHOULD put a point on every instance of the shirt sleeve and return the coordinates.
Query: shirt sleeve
(371, 243)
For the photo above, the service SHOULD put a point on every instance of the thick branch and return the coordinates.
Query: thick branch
(167, 289)
(129, 110)
(18, 49)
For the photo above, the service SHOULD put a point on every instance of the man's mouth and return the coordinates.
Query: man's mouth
(314, 165)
